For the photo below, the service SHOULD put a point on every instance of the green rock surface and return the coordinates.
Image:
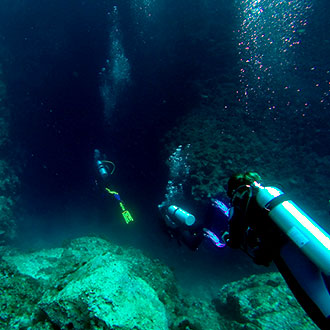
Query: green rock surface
(104, 294)
(261, 302)
(93, 284)
(9, 182)
(90, 283)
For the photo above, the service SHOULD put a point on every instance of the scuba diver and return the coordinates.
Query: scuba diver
(267, 225)
(183, 226)
(104, 169)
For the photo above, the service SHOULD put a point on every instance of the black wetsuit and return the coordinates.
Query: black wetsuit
(251, 229)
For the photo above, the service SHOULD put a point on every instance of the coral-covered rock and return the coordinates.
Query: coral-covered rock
(18, 298)
(8, 180)
(261, 302)
(222, 142)
(7, 219)
(4, 134)
(104, 294)
(91, 283)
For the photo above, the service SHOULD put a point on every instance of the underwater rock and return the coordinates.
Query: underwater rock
(196, 314)
(222, 142)
(4, 113)
(18, 298)
(3, 88)
(91, 283)
(7, 220)
(104, 294)
(261, 302)
(4, 133)
(8, 180)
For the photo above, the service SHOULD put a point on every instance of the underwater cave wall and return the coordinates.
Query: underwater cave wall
(8, 179)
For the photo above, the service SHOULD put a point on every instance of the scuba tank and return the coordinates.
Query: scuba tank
(101, 167)
(307, 235)
(180, 216)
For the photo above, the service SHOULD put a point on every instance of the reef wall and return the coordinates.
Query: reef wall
(223, 141)
(8, 180)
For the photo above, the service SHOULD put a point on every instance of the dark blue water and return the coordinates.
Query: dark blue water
(53, 55)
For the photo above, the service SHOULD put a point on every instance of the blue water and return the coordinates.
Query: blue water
(118, 75)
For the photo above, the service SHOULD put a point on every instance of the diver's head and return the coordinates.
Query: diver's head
(241, 179)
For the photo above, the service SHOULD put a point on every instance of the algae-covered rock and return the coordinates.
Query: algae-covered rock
(8, 180)
(261, 302)
(7, 219)
(196, 314)
(3, 88)
(104, 294)
(93, 284)
(18, 300)
(222, 143)
(4, 133)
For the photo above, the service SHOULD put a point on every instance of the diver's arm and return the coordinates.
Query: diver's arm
(306, 282)
(236, 231)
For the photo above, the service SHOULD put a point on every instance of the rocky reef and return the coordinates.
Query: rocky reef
(260, 302)
(90, 283)
(8, 180)
(223, 140)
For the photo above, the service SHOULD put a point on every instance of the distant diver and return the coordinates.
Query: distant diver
(267, 225)
(104, 169)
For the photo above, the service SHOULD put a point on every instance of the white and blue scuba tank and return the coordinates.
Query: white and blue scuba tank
(180, 216)
(313, 240)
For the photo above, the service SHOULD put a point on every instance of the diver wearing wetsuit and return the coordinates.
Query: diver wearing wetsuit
(184, 227)
(104, 169)
(268, 226)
